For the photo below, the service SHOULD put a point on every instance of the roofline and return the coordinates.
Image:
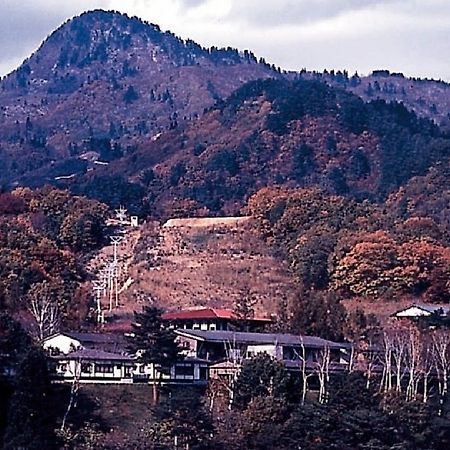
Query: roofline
(191, 334)
(214, 315)
(71, 357)
(186, 333)
(61, 333)
(421, 307)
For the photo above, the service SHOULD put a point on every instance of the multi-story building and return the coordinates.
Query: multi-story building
(213, 319)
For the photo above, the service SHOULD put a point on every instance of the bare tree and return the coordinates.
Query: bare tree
(413, 363)
(244, 309)
(73, 392)
(44, 308)
(400, 344)
(427, 365)
(386, 379)
(366, 359)
(441, 357)
(303, 360)
(323, 366)
(235, 356)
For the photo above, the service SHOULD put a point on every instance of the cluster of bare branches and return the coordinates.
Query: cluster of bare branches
(410, 358)
(320, 367)
(44, 308)
(235, 358)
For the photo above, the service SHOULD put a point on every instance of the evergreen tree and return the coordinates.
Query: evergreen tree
(30, 422)
(154, 343)
(319, 313)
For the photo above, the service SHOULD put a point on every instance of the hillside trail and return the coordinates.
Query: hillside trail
(209, 262)
(103, 259)
(189, 263)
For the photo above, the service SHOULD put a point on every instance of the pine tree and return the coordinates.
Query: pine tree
(153, 343)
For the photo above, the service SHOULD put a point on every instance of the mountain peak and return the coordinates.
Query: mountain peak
(103, 79)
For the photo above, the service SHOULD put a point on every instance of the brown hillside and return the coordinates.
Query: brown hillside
(203, 263)
(105, 82)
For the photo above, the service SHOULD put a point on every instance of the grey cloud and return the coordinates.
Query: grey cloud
(288, 12)
(188, 4)
(23, 25)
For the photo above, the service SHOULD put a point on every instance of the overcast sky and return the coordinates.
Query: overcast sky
(410, 36)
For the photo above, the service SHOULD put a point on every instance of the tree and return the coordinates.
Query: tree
(319, 313)
(130, 95)
(31, 422)
(181, 421)
(243, 310)
(153, 343)
(44, 308)
(262, 376)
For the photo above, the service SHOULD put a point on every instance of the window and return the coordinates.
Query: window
(86, 368)
(62, 367)
(184, 371)
(104, 368)
(203, 373)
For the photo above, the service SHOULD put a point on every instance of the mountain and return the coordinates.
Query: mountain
(104, 83)
(113, 108)
(425, 97)
(274, 132)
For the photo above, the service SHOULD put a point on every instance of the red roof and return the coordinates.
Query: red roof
(206, 313)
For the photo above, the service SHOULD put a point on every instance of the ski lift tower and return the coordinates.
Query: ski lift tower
(98, 288)
(121, 215)
(115, 241)
(114, 268)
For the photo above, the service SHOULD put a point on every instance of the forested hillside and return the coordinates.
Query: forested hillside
(273, 132)
(345, 182)
(43, 237)
(343, 251)
(112, 107)
(100, 86)
(427, 98)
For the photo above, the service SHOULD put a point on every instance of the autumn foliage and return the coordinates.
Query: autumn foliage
(358, 249)
(43, 233)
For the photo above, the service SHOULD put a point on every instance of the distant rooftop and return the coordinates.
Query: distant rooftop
(95, 338)
(207, 313)
(425, 308)
(259, 338)
(96, 355)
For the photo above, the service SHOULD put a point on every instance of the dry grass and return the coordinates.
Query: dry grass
(212, 265)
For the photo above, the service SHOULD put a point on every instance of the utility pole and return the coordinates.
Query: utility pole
(110, 284)
(115, 241)
(98, 288)
(114, 267)
(121, 215)
(104, 278)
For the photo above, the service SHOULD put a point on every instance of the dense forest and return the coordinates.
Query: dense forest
(272, 132)
(364, 249)
(44, 235)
